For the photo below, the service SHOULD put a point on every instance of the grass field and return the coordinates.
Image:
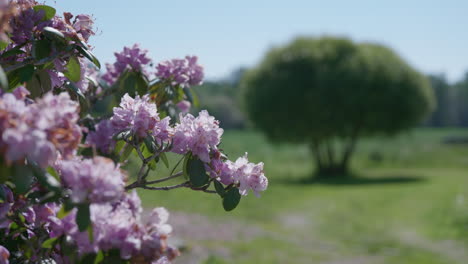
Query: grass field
(407, 204)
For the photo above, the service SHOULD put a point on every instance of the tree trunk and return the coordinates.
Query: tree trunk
(314, 148)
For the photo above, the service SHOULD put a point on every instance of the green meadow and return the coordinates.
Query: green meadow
(407, 202)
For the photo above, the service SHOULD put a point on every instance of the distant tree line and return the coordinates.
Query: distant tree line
(452, 102)
(222, 99)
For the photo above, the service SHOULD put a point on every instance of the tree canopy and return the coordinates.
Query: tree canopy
(320, 89)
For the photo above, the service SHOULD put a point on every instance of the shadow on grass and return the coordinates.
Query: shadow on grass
(353, 179)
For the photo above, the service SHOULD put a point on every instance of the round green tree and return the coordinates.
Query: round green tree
(329, 92)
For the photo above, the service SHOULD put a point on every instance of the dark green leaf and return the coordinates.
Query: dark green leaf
(219, 188)
(75, 90)
(44, 178)
(2, 194)
(3, 80)
(128, 84)
(88, 258)
(184, 165)
(125, 134)
(49, 12)
(141, 85)
(39, 84)
(53, 34)
(231, 199)
(83, 217)
(73, 72)
(26, 73)
(12, 52)
(68, 205)
(149, 143)
(89, 55)
(22, 178)
(41, 49)
(197, 173)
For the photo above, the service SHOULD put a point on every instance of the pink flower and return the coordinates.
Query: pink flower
(184, 106)
(4, 255)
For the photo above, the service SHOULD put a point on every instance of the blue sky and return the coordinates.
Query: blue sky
(430, 35)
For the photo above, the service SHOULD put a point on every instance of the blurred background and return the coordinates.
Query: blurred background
(297, 85)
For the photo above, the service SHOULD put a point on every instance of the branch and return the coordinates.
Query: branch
(166, 188)
(167, 178)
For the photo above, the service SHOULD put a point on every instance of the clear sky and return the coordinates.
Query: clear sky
(431, 35)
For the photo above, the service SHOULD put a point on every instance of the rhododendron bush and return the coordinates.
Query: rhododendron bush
(63, 195)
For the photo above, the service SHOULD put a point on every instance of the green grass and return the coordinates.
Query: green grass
(409, 205)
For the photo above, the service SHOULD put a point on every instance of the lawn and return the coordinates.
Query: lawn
(408, 204)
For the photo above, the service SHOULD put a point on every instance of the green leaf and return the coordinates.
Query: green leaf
(3, 80)
(219, 188)
(89, 55)
(22, 178)
(41, 49)
(99, 257)
(83, 217)
(90, 233)
(49, 243)
(26, 73)
(141, 85)
(76, 91)
(39, 84)
(149, 143)
(44, 178)
(12, 52)
(184, 166)
(118, 146)
(88, 258)
(126, 152)
(231, 199)
(164, 159)
(152, 165)
(3, 45)
(63, 212)
(197, 173)
(54, 35)
(125, 134)
(73, 72)
(53, 172)
(49, 12)
(2, 195)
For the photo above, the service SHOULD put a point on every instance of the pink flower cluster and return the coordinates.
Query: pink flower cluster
(96, 180)
(137, 115)
(38, 130)
(247, 175)
(184, 72)
(120, 226)
(131, 58)
(26, 24)
(199, 135)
